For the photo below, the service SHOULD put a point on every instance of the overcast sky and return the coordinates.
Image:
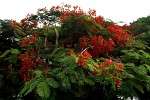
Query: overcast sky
(116, 10)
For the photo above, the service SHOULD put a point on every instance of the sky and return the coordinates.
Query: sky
(117, 10)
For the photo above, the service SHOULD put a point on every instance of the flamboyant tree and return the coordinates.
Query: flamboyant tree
(66, 53)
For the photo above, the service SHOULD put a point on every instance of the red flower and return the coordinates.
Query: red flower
(94, 73)
(84, 42)
(26, 41)
(83, 58)
(70, 52)
(28, 63)
(35, 24)
(23, 56)
(118, 34)
(120, 67)
(46, 68)
(100, 20)
(10, 66)
(64, 16)
(33, 39)
(39, 61)
(118, 82)
(92, 12)
(106, 63)
(98, 45)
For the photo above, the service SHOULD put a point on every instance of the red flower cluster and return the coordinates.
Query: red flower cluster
(14, 23)
(66, 12)
(26, 41)
(100, 20)
(128, 27)
(27, 65)
(84, 42)
(98, 45)
(83, 58)
(104, 65)
(120, 68)
(118, 82)
(28, 24)
(92, 12)
(118, 34)
(64, 16)
(42, 9)
(70, 52)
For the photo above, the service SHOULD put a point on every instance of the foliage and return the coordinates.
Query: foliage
(66, 53)
(142, 29)
(141, 25)
(136, 75)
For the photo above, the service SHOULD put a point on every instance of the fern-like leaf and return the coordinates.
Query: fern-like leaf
(43, 90)
(28, 87)
(52, 82)
(66, 83)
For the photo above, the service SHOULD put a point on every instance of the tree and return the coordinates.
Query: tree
(66, 53)
(141, 25)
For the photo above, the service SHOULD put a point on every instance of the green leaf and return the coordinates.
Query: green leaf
(148, 87)
(16, 35)
(80, 82)
(129, 65)
(66, 83)
(142, 70)
(88, 81)
(147, 79)
(73, 64)
(15, 51)
(38, 73)
(90, 67)
(26, 86)
(12, 58)
(75, 57)
(128, 75)
(5, 53)
(52, 82)
(61, 75)
(32, 87)
(43, 90)
(147, 66)
(20, 31)
(139, 87)
(72, 79)
(52, 96)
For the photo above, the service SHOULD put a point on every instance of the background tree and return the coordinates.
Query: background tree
(142, 29)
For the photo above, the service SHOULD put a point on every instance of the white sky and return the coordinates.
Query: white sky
(116, 10)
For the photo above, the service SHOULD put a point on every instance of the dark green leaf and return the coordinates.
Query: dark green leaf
(32, 87)
(88, 81)
(66, 83)
(26, 86)
(12, 59)
(52, 82)
(43, 90)
(142, 70)
(17, 36)
(5, 53)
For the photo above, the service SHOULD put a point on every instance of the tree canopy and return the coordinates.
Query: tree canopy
(64, 53)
